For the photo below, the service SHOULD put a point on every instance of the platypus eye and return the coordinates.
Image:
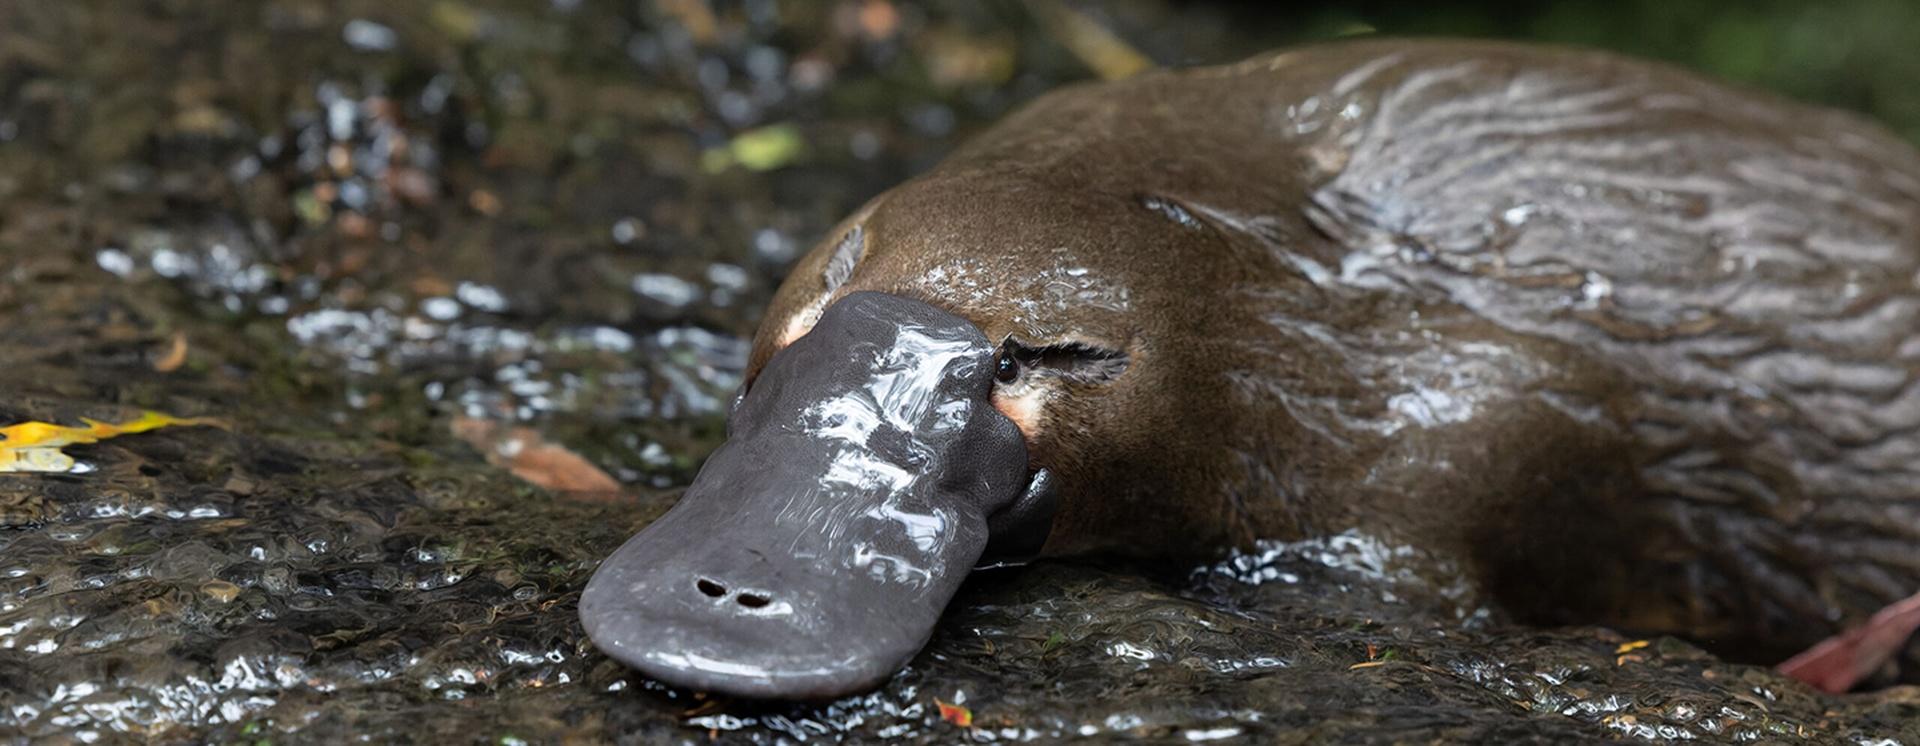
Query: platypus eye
(1005, 368)
(1072, 360)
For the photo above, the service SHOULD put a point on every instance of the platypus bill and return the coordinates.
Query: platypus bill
(1623, 345)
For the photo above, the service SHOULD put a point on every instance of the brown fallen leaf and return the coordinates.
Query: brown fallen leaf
(175, 356)
(483, 202)
(528, 455)
(220, 590)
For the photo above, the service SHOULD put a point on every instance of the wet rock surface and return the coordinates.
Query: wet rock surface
(340, 227)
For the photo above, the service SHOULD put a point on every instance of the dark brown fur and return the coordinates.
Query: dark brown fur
(1625, 344)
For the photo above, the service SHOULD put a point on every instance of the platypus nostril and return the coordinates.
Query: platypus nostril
(710, 588)
(753, 600)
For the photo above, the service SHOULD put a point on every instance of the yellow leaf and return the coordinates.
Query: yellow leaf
(35, 446)
(761, 149)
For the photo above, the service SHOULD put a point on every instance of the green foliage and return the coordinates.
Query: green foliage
(1862, 55)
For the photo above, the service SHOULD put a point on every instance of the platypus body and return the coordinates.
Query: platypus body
(1616, 343)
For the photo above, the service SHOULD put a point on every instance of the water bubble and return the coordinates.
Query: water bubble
(368, 36)
(340, 116)
(728, 276)
(115, 261)
(771, 245)
(441, 308)
(482, 297)
(627, 230)
(1595, 288)
(666, 289)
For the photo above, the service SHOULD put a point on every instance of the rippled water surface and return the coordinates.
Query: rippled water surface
(342, 227)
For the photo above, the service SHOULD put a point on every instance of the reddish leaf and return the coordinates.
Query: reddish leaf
(530, 457)
(956, 714)
(1838, 663)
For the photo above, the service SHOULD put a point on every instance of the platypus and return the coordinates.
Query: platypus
(1614, 342)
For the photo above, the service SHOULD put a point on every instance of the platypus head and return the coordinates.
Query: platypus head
(864, 475)
(922, 382)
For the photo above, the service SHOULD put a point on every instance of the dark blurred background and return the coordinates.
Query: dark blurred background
(1858, 54)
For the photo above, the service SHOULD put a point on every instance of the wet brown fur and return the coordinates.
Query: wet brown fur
(1623, 344)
